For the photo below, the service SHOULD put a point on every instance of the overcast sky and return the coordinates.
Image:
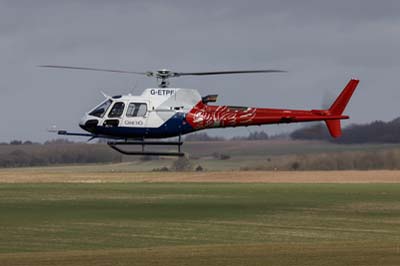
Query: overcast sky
(321, 43)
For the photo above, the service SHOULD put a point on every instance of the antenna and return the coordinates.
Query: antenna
(105, 95)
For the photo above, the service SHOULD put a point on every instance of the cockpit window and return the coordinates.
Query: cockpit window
(101, 109)
(136, 109)
(117, 110)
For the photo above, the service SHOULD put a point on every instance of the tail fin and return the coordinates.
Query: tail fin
(341, 102)
(337, 108)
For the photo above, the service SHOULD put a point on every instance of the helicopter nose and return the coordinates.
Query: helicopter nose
(83, 120)
(88, 124)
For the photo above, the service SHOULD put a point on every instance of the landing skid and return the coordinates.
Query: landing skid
(114, 145)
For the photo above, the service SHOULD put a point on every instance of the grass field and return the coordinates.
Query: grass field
(199, 224)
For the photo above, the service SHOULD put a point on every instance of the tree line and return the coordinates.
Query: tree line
(24, 155)
(203, 136)
(374, 132)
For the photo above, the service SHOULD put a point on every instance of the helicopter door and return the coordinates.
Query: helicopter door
(136, 115)
(114, 116)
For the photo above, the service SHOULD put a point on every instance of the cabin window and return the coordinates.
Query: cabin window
(136, 109)
(117, 110)
(101, 109)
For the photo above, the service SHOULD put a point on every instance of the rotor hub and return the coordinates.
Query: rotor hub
(162, 76)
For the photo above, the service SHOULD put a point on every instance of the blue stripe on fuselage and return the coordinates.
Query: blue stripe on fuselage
(175, 126)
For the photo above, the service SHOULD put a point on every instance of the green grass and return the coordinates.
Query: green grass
(197, 224)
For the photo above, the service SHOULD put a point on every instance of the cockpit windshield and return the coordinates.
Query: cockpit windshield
(101, 109)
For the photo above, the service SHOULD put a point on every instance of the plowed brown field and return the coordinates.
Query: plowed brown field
(74, 176)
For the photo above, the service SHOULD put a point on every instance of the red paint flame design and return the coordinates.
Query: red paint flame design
(205, 116)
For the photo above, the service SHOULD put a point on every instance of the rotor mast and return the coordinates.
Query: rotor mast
(162, 77)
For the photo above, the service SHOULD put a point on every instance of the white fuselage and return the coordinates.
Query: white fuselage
(151, 109)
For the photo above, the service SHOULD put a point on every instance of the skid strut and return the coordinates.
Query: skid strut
(114, 145)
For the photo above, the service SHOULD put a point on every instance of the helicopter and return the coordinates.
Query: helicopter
(165, 112)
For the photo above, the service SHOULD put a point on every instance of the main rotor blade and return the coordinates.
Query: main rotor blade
(95, 69)
(227, 72)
